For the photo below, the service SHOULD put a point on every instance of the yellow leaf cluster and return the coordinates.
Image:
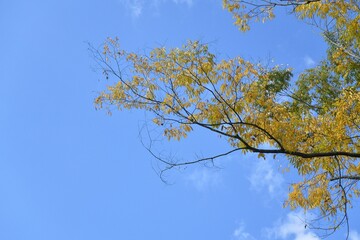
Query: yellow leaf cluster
(251, 106)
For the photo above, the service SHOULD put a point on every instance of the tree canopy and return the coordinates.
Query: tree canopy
(313, 119)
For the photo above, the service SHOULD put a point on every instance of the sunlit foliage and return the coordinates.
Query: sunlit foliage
(312, 120)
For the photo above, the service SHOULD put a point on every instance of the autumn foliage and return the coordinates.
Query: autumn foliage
(312, 120)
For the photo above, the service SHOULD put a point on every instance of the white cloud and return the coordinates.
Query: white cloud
(188, 2)
(309, 62)
(204, 178)
(264, 177)
(354, 235)
(241, 234)
(136, 7)
(293, 226)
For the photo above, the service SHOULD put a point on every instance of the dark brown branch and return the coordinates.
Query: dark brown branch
(305, 155)
(172, 164)
(348, 177)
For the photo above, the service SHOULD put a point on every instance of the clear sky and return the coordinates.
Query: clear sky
(70, 172)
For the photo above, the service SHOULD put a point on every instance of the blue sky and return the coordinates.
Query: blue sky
(70, 172)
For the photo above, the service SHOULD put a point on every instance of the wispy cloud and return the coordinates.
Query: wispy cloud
(354, 235)
(137, 7)
(293, 226)
(204, 178)
(188, 2)
(309, 62)
(265, 177)
(241, 234)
